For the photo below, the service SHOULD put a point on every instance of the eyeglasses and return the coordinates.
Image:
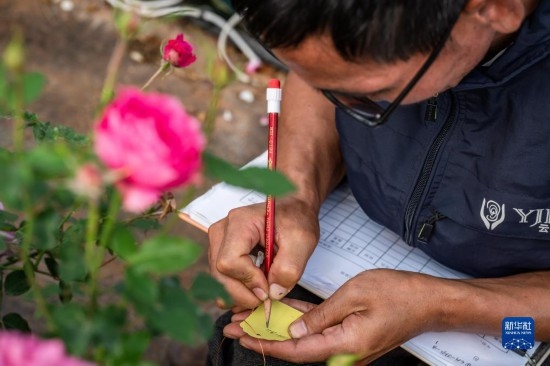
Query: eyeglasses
(371, 113)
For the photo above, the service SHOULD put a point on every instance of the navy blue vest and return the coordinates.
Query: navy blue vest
(472, 188)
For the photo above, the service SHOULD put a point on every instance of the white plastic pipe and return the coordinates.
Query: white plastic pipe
(161, 8)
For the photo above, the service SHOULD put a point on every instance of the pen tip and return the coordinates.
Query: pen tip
(267, 308)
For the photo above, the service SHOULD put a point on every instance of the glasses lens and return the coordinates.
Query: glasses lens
(361, 106)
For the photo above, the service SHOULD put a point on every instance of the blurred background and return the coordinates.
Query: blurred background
(70, 42)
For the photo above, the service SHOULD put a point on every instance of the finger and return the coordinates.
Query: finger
(241, 295)
(303, 306)
(243, 231)
(239, 309)
(216, 234)
(221, 257)
(314, 348)
(239, 317)
(221, 304)
(238, 291)
(339, 339)
(343, 338)
(234, 330)
(330, 312)
(295, 246)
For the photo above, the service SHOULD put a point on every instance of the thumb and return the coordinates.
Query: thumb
(324, 316)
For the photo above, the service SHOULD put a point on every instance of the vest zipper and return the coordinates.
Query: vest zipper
(425, 174)
(431, 109)
(425, 232)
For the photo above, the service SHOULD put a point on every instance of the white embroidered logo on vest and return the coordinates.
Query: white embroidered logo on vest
(492, 214)
(539, 217)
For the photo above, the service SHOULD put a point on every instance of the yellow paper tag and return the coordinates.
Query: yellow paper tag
(281, 317)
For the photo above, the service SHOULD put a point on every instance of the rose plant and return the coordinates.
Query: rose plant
(72, 204)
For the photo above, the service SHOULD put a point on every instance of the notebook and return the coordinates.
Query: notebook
(350, 243)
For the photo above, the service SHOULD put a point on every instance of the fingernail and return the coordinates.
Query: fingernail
(298, 329)
(260, 294)
(277, 292)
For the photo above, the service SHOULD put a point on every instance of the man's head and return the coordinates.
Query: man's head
(382, 30)
(375, 47)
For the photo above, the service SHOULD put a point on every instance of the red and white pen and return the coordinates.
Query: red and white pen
(273, 97)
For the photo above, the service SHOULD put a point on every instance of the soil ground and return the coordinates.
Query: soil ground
(72, 47)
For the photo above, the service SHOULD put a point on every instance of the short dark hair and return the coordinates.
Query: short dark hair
(381, 30)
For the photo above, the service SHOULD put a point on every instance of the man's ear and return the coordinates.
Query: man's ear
(504, 16)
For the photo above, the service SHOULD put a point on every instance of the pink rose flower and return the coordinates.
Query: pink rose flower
(179, 53)
(18, 349)
(252, 67)
(152, 142)
(87, 181)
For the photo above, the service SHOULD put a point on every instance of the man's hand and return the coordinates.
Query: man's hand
(235, 237)
(309, 155)
(371, 314)
(381, 309)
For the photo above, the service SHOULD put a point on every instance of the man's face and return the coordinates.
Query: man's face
(316, 61)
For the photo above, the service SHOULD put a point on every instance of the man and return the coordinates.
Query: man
(452, 156)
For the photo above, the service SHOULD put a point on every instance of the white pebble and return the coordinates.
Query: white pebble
(227, 116)
(246, 96)
(136, 56)
(67, 5)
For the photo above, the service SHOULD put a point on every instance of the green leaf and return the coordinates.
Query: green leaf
(170, 281)
(123, 242)
(16, 179)
(15, 321)
(20, 182)
(3, 85)
(50, 291)
(48, 160)
(73, 326)
(206, 288)
(165, 254)
(176, 315)
(262, 180)
(114, 315)
(4, 226)
(3, 245)
(65, 292)
(133, 346)
(72, 266)
(33, 84)
(140, 290)
(45, 231)
(16, 283)
(145, 224)
(52, 266)
(6, 216)
(206, 326)
(46, 132)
